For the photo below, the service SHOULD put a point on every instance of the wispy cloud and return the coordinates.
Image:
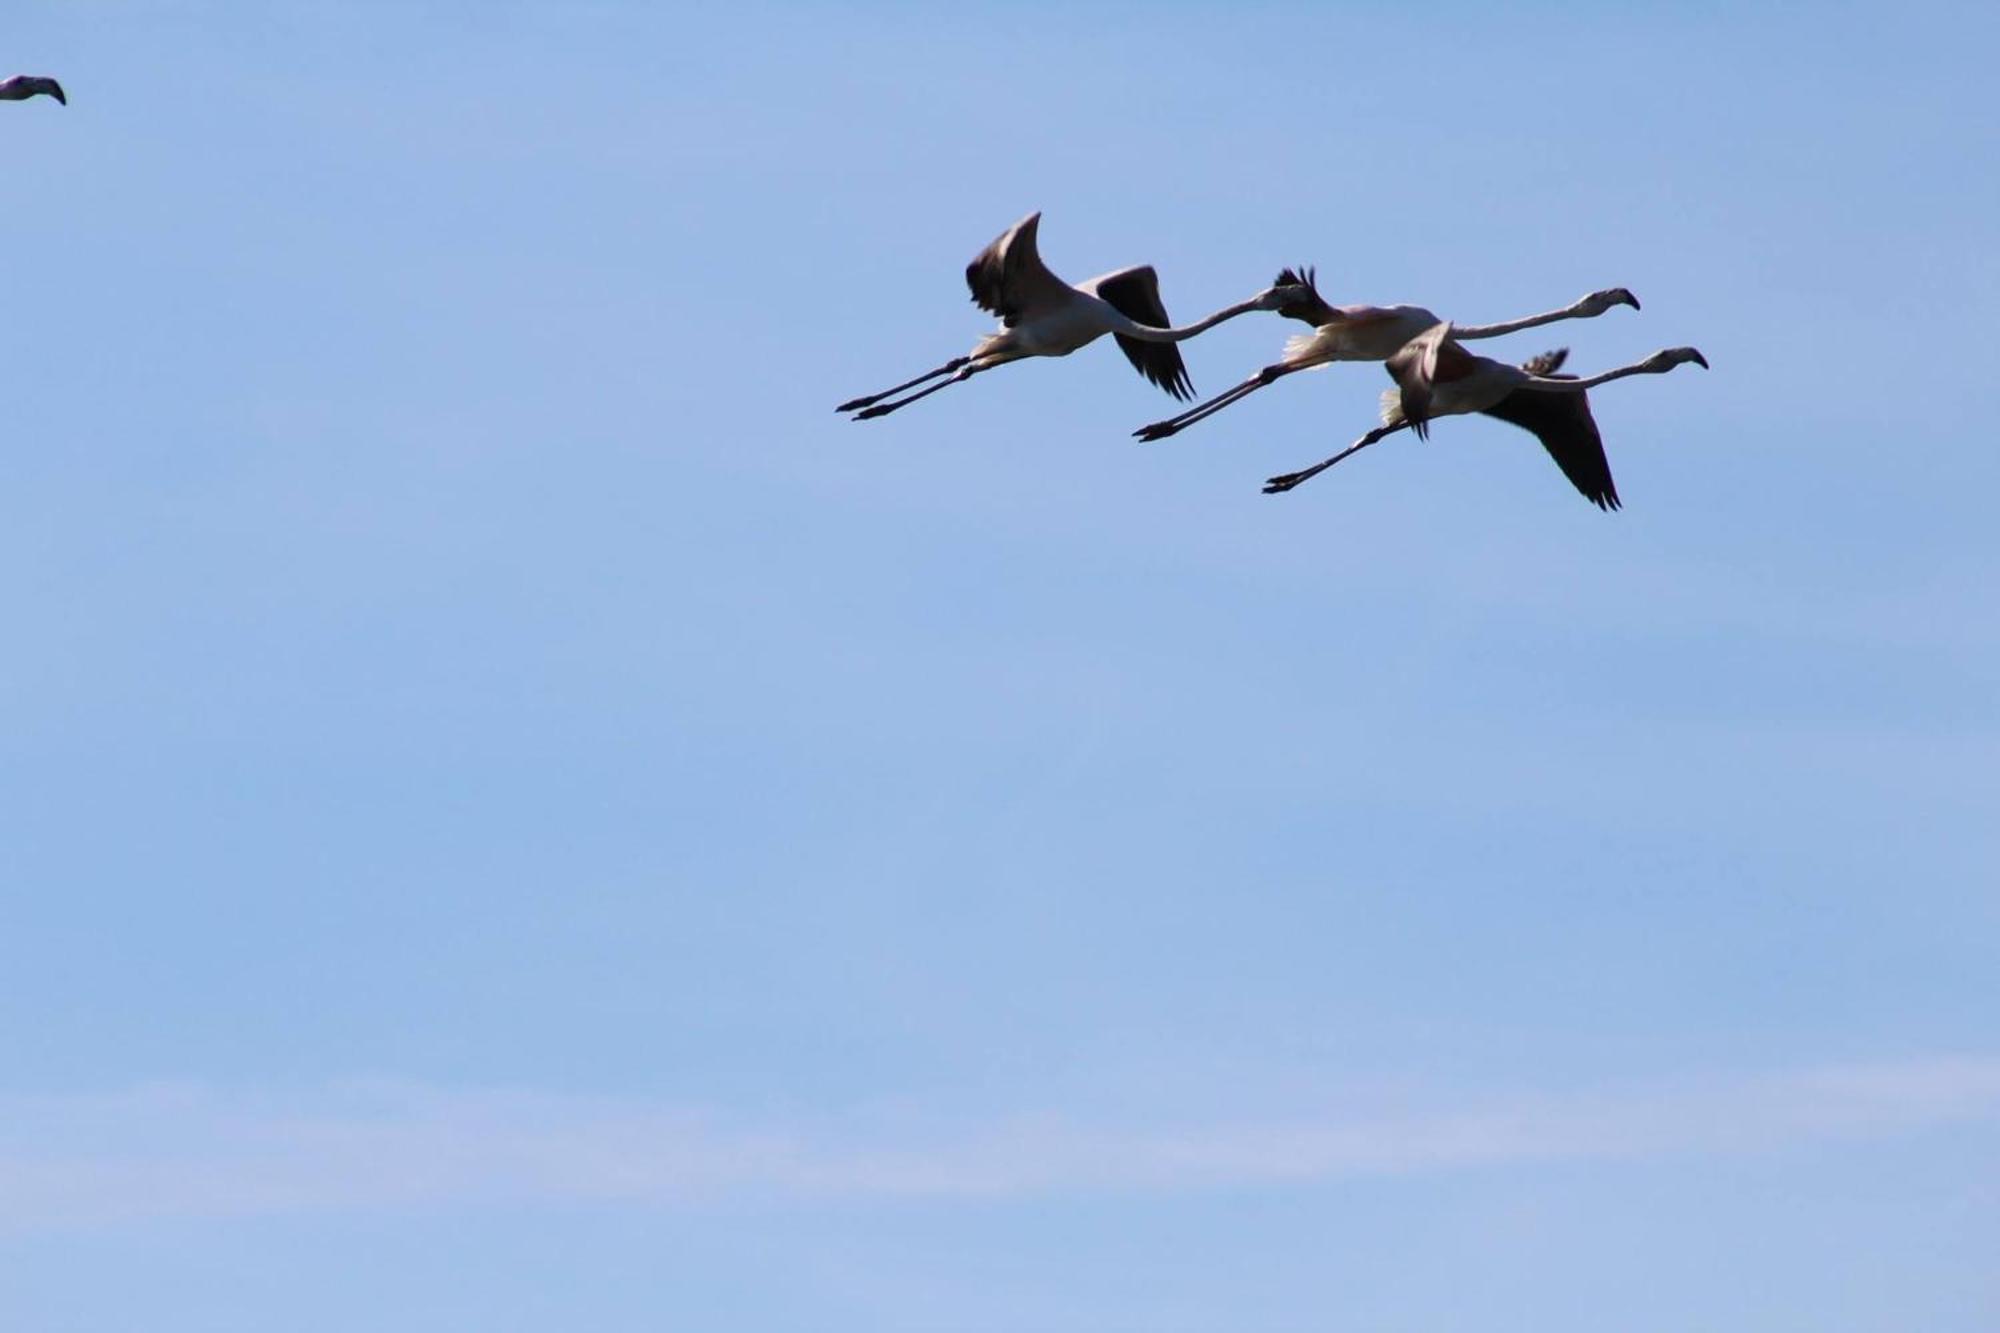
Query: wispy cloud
(186, 1150)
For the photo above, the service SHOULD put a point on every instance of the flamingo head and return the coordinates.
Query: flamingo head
(1598, 302)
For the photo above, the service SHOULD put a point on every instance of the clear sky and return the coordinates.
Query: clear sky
(517, 817)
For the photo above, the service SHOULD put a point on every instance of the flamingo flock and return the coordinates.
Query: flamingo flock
(1434, 374)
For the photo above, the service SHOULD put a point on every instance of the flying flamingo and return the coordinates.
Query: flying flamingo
(1435, 377)
(1364, 333)
(1041, 315)
(23, 86)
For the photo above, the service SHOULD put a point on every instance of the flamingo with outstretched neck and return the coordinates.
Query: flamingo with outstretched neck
(1364, 333)
(1041, 315)
(1436, 377)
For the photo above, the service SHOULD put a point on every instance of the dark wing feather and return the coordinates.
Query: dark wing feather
(1309, 309)
(1008, 276)
(20, 87)
(1135, 294)
(1547, 364)
(1562, 422)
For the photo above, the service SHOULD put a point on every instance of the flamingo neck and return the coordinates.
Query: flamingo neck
(1511, 326)
(1147, 333)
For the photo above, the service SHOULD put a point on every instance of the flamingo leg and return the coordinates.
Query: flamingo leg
(855, 404)
(1160, 430)
(1285, 483)
(964, 373)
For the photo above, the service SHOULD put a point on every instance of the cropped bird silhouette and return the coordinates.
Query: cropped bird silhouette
(1041, 315)
(1363, 333)
(1436, 377)
(23, 86)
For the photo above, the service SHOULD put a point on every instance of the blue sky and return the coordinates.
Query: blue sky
(518, 817)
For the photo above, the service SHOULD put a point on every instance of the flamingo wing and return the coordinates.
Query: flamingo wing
(1135, 293)
(22, 86)
(1562, 422)
(1008, 277)
(1420, 364)
(1309, 308)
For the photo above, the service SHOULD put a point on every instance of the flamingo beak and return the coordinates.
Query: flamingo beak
(1626, 296)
